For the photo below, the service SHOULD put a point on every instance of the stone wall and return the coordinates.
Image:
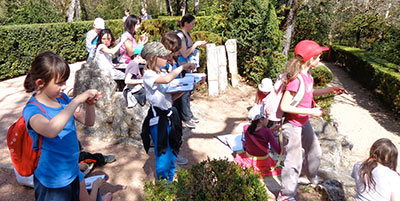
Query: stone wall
(114, 121)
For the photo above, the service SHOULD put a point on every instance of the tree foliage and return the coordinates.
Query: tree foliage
(255, 25)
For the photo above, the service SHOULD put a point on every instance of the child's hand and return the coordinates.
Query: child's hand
(92, 101)
(189, 66)
(338, 90)
(143, 38)
(99, 182)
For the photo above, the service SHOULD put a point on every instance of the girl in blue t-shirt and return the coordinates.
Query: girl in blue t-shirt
(56, 176)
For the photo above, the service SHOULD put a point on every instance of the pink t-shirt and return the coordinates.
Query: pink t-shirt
(125, 58)
(301, 119)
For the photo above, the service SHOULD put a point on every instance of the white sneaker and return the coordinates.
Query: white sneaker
(181, 161)
(282, 197)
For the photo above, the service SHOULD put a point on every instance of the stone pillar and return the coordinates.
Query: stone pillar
(212, 69)
(222, 71)
(231, 49)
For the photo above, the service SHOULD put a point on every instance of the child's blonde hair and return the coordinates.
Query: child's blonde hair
(151, 64)
(293, 68)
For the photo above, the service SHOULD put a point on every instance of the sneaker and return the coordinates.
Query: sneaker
(109, 158)
(314, 181)
(181, 161)
(282, 197)
(189, 124)
(195, 120)
(88, 169)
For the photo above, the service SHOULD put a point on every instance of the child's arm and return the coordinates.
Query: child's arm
(286, 107)
(114, 49)
(129, 79)
(51, 128)
(335, 90)
(172, 75)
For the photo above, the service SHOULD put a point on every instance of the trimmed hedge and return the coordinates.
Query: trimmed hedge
(374, 73)
(21, 43)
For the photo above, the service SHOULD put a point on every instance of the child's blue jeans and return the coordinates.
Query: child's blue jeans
(165, 163)
(67, 193)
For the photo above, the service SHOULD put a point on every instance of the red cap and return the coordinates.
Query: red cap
(308, 49)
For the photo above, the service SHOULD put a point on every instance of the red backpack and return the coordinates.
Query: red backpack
(23, 157)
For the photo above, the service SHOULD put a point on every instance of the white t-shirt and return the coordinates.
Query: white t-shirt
(103, 60)
(156, 93)
(387, 182)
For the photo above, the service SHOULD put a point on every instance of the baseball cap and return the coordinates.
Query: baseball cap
(308, 49)
(154, 49)
(266, 85)
(256, 112)
(99, 23)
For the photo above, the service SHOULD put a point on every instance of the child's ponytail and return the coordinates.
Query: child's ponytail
(293, 68)
(252, 126)
(29, 83)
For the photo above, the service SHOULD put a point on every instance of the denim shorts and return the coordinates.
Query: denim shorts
(67, 193)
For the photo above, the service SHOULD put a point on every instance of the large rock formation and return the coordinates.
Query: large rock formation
(114, 121)
(335, 150)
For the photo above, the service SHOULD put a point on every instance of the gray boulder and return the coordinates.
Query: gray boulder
(336, 149)
(114, 121)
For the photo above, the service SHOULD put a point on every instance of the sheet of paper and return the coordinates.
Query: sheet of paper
(89, 180)
(181, 84)
(233, 141)
(197, 76)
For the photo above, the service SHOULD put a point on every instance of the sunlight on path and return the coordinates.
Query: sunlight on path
(361, 117)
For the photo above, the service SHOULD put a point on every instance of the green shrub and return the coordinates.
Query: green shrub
(255, 25)
(210, 180)
(372, 72)
(322, 75)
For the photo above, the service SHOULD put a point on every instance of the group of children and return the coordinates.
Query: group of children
(376, 178)
(57, 176)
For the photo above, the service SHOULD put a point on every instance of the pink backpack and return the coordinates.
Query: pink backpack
(272, 102)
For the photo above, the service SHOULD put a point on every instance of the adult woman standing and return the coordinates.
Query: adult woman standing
(131, 26)
(188, 54)
(189, 49)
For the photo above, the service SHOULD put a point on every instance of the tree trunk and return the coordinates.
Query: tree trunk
(290, 22)
(71, 11)
(184, 7)
(78, 10)
(168, 6)
(196, 6)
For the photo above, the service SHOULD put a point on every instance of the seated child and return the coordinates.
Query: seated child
(257, 138)
(264, 89)
(376, 178)
(134, 91)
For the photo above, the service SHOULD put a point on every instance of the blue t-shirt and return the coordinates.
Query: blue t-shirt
(58, 162)
(174, 66)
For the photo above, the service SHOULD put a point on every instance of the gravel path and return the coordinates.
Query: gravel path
(361, 116)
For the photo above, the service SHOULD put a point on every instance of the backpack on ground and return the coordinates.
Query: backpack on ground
(272, 102)
(24, 158)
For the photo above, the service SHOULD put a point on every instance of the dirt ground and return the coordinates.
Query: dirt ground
(359, 115)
